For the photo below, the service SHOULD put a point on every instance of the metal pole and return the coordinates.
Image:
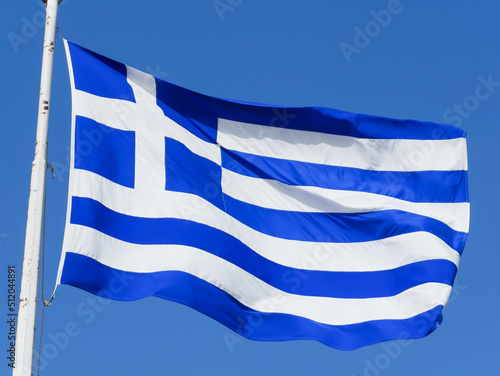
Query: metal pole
(26, 325)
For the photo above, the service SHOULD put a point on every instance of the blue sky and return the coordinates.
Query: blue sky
(433, 61)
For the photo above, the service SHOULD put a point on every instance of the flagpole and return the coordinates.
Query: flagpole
(26, 325)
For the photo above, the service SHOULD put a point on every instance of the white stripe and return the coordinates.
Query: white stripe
(365, 256)
(130, 116)
(334, 150)
(248, 289)
(276, 195)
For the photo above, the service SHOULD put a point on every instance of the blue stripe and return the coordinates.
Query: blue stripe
(419, 186)
(93, 214)
(190, 173)
(199, 113)
(106, 151)
(339, 227)
(98, 75)
(90, 275)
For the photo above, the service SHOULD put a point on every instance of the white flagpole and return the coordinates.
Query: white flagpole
(26, 325)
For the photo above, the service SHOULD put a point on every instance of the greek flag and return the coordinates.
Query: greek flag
(280, 223)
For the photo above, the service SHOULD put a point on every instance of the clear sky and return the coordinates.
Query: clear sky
(426, 60)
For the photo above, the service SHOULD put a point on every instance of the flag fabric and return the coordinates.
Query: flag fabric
(280, 223)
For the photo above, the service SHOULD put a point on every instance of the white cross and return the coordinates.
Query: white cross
(150, 125)
(149, 146)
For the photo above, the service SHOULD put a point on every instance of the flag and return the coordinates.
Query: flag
(280, 223)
